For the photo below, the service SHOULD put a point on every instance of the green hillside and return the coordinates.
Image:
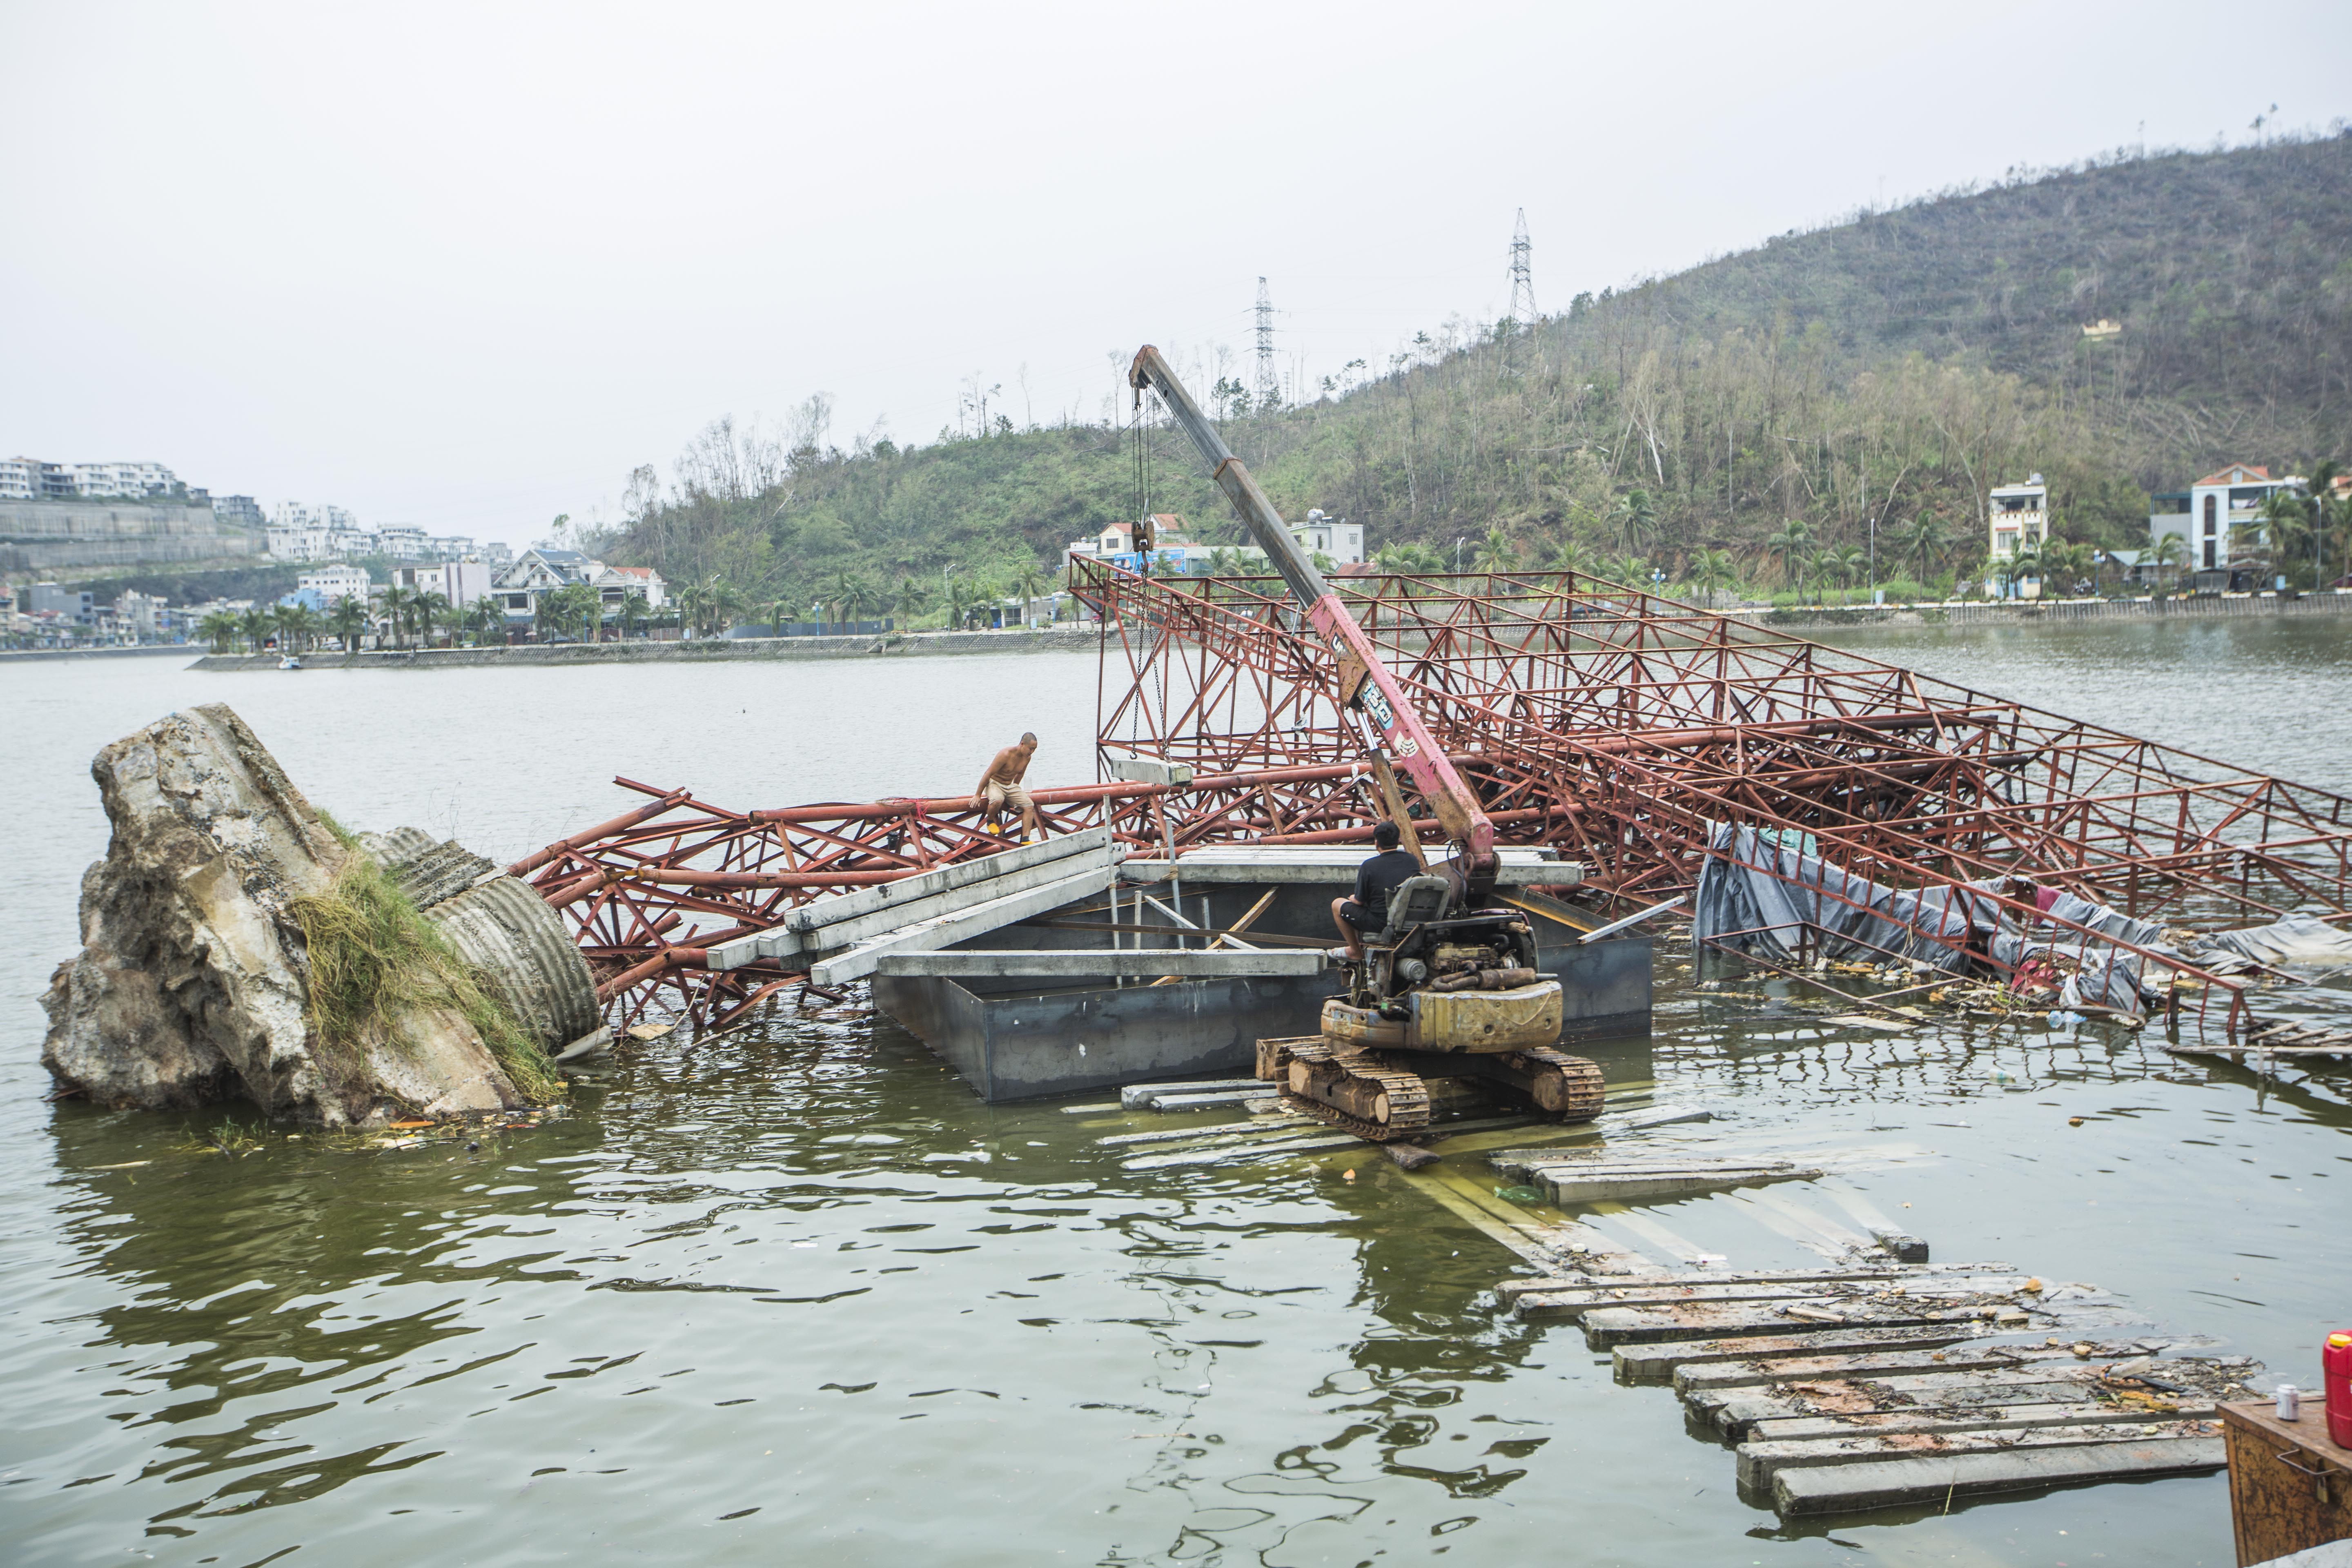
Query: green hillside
(1890, 367)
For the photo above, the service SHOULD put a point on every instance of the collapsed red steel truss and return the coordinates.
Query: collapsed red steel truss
(1614, 725)
(651, 892)
(1622, 728)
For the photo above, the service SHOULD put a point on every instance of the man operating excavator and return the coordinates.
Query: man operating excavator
(1376, 879)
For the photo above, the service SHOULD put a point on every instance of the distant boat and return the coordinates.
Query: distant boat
(290, 662)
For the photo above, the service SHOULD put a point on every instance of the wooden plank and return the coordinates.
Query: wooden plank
(1282, 1122)
(1811, 1491)
(1611, 1326)
(1570, 1187)
(1989, 1355)
(1874, 1276)
(1245, 1152)
(1977, 1418)
(1759, 1461)
(1575, 1303)
(1659, 1362)
(859, 961)
(1183, 963)
(1736, 1412)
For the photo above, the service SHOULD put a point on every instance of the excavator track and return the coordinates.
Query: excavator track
(1567, 1087)
(1384, 1104)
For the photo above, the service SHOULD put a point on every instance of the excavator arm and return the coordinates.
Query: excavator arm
(1377, 696)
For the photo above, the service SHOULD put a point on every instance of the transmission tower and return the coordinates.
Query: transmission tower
(1268, 390)
(1522, 278)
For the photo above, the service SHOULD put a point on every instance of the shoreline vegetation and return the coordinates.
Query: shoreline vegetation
(1085, 638)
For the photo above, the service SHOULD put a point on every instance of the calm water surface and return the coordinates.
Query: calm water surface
(792, 1295)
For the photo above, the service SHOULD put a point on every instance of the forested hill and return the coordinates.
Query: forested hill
(1893, 367)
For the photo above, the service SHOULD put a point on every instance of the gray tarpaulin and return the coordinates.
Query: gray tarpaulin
(2296, 940)
(1757, 894)
(1760, 892)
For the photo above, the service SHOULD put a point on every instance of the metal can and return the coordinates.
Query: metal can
(2290, 1403)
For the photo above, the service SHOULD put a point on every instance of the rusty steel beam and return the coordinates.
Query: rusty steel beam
(1613, 725)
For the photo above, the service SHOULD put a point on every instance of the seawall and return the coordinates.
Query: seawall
(2046, 612)
(889, 645)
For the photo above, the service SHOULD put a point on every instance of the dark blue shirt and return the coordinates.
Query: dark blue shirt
(1378, 878)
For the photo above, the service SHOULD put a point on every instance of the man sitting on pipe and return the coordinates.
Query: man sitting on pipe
(1001, 786)
(1376, 879)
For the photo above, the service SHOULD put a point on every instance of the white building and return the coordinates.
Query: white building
(1336, 537)
(462, 583)
(497, 554)
(543, 569)
(335, 583)
(2018, 517)
(300, 514)
(240, 511)
(297, 542)
(451, 547)
(122, 480)
(614, 584)
(2219, 521)
(402, 541)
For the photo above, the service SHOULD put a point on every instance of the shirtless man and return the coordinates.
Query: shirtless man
(1001, 784)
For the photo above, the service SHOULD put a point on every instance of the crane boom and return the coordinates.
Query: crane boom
(1378, 696)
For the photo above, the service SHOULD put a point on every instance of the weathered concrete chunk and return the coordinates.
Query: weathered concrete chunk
(195, 972)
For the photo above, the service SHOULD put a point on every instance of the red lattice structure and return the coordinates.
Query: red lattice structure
(1613, 725)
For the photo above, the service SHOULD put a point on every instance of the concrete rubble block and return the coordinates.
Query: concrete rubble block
(192, 982)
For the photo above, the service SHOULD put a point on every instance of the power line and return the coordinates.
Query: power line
(1522, 278)
(1268, 389)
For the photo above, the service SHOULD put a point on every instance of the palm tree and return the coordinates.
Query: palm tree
(256, 624)
(393, 607)
(913, 599)
(634, 613)
(2171, 551)
(1854, 562)
(424, 610)
(218, 628)
(1793, 545)
(347, 620)
(487, 620)
(2285, 527)
(296, 626)
(1711, 572)
(1630, 570)
(1031, 582)
(963, 596)
(1635, 513)
(1496, 552)
(1923, 538)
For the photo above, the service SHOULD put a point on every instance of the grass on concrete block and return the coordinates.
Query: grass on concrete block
(374, 954)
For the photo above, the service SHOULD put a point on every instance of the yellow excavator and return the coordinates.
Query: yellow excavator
(1449, 987)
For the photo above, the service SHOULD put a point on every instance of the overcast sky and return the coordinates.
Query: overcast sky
(465, 266)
